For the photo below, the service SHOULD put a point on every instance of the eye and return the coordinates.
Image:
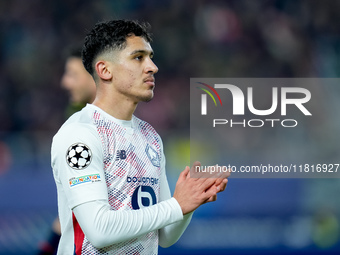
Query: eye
(139, 57)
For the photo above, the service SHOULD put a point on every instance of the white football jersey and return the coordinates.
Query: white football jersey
(97, 157)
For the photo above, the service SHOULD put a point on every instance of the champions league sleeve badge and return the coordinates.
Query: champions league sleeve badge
(153, 156)
(78, 156)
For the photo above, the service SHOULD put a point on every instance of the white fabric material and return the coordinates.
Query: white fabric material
(171, 233)
(104, 227)
(126, 157)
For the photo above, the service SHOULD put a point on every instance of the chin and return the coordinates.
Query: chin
(146, 98)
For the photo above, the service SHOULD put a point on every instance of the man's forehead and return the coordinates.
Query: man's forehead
(134, 43)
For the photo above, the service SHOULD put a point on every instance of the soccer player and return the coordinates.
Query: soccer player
(109, 166)
(78, 82)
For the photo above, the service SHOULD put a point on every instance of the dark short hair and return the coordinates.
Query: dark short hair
(110, 35)
(73, 50)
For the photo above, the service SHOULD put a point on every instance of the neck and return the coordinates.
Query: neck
(117, 106)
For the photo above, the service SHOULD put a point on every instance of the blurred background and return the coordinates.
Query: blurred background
(193, 38)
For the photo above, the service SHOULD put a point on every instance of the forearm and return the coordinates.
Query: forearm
(171, 233)
(104, 227)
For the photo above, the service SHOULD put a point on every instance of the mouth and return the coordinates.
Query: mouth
(150, 81)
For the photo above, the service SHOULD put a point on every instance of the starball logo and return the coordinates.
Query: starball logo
(295, 96)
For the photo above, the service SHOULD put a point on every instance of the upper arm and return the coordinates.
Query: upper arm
(77, 164)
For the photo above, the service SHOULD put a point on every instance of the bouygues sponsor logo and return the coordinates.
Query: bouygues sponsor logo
(241, 102)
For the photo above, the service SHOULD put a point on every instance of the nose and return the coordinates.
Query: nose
(151, 67)
(65, 82)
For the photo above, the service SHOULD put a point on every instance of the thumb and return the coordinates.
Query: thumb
(196, 165)
(183, 175)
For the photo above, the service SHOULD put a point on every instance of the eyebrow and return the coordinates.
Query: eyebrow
(145, 52)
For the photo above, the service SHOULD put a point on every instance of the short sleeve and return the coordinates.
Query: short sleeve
(77, 162)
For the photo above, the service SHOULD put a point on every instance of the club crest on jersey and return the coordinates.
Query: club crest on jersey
(153, 156)
(78, 156)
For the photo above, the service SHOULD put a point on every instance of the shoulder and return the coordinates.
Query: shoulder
(80, 120)
(145, 128)
(79, 128)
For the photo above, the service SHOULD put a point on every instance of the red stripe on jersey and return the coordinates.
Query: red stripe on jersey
(78, 236)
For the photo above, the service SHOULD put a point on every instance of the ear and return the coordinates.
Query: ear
(103, 70)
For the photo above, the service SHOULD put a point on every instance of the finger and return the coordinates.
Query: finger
(223, 175)
(183, 175)
(223, 185)
(195, 165)
(227, 174)
(206, 183)
(211, 199)
(212, 191)
(219, 181)
(216, 173)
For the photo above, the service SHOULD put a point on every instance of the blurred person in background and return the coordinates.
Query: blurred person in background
(78, 82)
(82, 90)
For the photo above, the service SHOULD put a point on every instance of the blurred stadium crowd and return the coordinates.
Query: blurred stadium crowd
(191, 39)
(194, 38)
